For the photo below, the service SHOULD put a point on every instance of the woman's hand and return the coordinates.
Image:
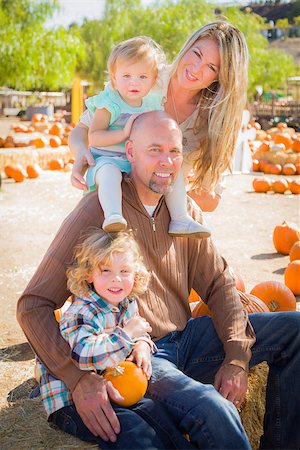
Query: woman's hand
(81, 164)
(142, 356)
(79, 147)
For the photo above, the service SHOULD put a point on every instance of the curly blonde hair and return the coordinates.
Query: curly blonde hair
(98, 248)
(220, 106)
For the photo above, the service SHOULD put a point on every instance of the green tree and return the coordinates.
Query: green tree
(33, 57)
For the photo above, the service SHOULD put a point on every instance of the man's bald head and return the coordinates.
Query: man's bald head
(153, 122)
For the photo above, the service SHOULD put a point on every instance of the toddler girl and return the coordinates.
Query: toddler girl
(133, 67)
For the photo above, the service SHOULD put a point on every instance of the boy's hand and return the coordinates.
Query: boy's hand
(127, 128)
(137, 326)
(142, 356)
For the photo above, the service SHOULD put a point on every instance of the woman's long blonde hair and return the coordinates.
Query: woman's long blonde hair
(221, 104)
(98, 248)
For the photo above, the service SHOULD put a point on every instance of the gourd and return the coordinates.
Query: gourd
(261, 184)
(129, 380)
(295, 251)
(292, 276)
(276, 295)
(284, 236)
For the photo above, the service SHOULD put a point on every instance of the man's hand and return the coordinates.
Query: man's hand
(80, 166)
(142, 356)
(232, 382)
(91, 397)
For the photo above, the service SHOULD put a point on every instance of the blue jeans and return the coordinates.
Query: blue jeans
(185, 366)
(144, 426)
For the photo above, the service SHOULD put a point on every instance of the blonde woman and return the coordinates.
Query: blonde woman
(205, 92)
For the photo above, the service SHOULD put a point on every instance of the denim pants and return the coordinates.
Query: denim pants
(186, 363)
(144, 426)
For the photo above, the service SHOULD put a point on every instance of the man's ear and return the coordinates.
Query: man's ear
(129, 150)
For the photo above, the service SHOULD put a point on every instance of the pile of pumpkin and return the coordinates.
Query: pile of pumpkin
(267, 296)
(19, 173)
(280, 185)
(276, 152)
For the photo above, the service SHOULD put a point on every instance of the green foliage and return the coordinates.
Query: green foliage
(36, 58)
(32, 57)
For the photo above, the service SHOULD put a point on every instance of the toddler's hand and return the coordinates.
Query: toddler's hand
(128, 126)
(142, 356)
(137, 326)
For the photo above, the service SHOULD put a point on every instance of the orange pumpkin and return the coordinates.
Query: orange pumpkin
(262, 164)
(295, 251)
(57, 129)
(129, 380)
(289, 169)
(276, 296)
(283, 138)
(40, 142)
(297, 168)
(55, 141)
(59, 312)
(261, 184)
(19, 174)
(36, 117)
(294, 186)
(292, 276)
(8, 170)
(201, 309)
(274, 169)
(280, 185)
(264, 146)
(64, 141)
(296, 145)
(252, 304)
(255, 165)
(33, 171)
(56, 164)
(194, 296)
(284, 236)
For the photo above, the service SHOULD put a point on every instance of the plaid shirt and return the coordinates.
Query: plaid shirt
(93, 328)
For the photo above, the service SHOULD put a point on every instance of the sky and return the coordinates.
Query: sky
(76, 10)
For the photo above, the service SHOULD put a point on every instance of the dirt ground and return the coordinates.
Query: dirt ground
(31, 213)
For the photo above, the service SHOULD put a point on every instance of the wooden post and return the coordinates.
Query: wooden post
(77, 99)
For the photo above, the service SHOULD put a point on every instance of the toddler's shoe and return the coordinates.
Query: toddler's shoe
(189, 228)
(114, 223)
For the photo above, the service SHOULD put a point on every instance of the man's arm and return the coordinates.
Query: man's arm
(210, 276)
(47, 291)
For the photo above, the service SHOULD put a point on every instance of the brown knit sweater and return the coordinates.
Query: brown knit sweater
(176, 265)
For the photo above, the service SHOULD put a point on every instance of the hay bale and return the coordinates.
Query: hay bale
(253, 409)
